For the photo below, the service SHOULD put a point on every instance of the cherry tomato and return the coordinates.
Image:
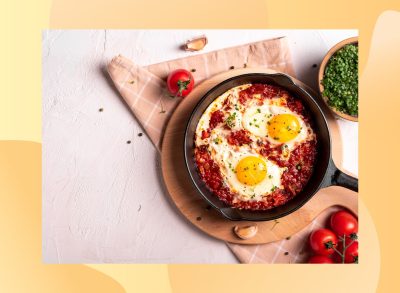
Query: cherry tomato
(180, 82)
(344, 223)
(350, 255)
(322, 241)
(320, 259)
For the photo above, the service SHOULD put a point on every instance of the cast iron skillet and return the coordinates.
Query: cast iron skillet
(325, 172)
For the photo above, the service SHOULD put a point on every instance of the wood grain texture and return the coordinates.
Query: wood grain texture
(194, 207)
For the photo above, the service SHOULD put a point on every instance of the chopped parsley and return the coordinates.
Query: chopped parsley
(230, 121)
(341, 80)
(258, 110)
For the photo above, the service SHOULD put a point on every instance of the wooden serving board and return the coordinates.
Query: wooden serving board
(196, 210)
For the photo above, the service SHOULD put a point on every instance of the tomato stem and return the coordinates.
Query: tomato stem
(343, 255)
(182, 85)
(344, 248)
(337, 251)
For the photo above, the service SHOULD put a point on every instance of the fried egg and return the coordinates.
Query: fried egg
(246, 172)
(276, 123)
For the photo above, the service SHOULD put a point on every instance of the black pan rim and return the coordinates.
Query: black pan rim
(219, 209)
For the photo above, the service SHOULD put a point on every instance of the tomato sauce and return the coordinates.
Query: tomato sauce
(216, 118)
(239, 137)
(299, 166)
(266, 91)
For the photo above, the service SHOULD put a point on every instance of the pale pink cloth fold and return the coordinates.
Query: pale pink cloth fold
(143, 89)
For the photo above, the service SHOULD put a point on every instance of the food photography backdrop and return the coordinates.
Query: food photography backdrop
(21, 161)
(103, 196)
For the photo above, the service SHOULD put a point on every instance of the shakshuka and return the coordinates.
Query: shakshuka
(255, 146)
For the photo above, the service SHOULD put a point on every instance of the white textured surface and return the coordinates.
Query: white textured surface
(103, 199)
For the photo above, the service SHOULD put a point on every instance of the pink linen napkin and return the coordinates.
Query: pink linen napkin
(143, 89)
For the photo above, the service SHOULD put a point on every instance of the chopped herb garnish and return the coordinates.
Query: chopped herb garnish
(230, 121)
(258, 110)
(341, 80)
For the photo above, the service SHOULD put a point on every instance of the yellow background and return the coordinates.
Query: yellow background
(21, 269)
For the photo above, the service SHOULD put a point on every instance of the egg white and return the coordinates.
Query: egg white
(255, 120)
(233, 93)
(228, 158)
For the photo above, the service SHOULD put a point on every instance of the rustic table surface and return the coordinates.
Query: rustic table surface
(103, 198)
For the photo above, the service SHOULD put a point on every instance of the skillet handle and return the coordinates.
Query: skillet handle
(342, 179)
(339, 178)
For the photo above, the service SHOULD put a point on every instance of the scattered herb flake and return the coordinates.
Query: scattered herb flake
(230, 121)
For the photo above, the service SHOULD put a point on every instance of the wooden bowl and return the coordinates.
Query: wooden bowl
(321, 72)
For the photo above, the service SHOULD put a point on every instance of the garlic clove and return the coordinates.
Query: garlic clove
(195, 44)
(246, 232)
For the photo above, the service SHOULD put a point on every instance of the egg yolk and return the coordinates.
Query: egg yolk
(251, 170)
(283, 127)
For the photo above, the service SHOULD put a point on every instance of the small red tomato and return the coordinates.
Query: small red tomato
(320, 259)
(344, 223)
(350, 255)
(323, 241)
(180, 83)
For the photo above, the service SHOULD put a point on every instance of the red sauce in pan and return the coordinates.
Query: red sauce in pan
(299, 165)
